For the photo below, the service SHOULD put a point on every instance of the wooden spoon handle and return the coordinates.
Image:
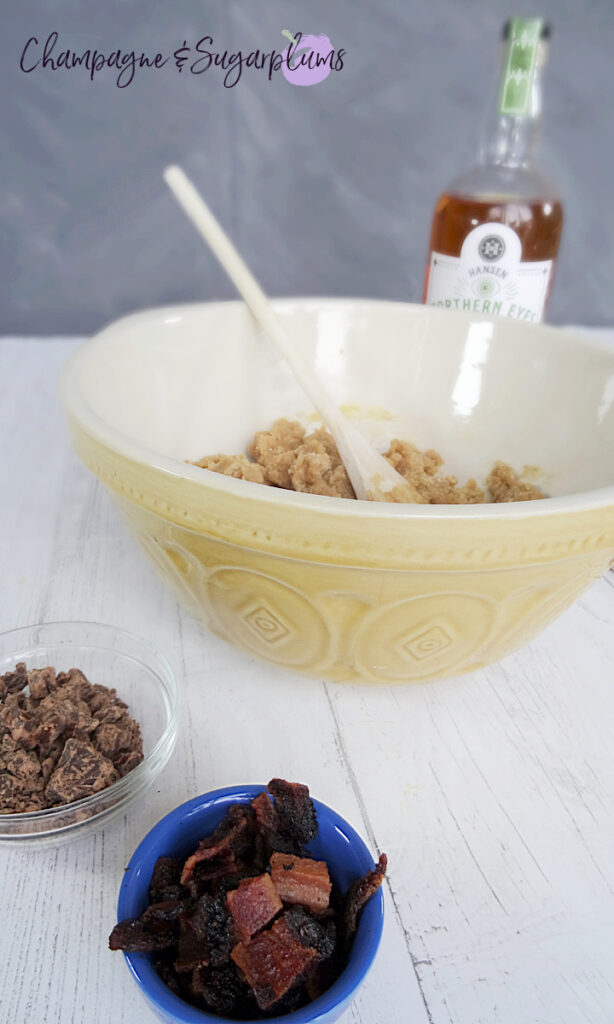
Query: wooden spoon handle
(372, 477)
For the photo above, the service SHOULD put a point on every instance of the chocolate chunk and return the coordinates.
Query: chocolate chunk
(74, 682)
(7, 745)
(36, 725)
(23, 764)
(111, 711)
(115, 739)
(19, 795)
(41, 681)
(127, 760)
(49, 756)
(100, 697)
(16, 680)
(80, 771)
(22, 725)
(10, 793)
(72, 714)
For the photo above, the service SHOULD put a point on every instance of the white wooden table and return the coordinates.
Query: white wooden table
(492, 794)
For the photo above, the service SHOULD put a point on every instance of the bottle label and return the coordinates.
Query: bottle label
(489, 276)
(519, 70)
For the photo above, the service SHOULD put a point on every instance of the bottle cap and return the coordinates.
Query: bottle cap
(546, 30)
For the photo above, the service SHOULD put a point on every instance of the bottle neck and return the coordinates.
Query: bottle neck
(510, 139)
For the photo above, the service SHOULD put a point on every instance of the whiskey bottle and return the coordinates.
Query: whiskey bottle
(496, 229)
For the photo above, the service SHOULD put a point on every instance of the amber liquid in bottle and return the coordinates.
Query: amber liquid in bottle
(537, 222)
(496, 229)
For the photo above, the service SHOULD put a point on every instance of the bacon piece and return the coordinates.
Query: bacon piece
(270, 832)
(157, 928)
(164, 883)
(273, 962)
(266, 815)
(359, 893)
(295, 809)
(216, 871)
(232, 836)
(253, 904)
(301, 880)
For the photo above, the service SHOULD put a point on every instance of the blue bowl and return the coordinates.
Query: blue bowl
(178, 834)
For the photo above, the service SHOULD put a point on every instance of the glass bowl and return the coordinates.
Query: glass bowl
(178, 834)
(142, 677)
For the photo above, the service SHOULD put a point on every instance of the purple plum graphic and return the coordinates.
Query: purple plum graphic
(305, 50)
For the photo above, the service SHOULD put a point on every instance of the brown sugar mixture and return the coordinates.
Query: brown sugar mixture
(286, 456)
(61, 738)
(250, 926)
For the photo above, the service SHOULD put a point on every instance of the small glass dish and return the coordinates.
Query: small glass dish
(142, 677)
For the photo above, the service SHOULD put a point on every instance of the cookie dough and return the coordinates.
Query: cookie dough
(287, 456)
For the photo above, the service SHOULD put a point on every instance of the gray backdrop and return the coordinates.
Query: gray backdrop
(326, 190)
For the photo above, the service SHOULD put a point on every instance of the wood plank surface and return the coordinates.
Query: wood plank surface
(493, 794)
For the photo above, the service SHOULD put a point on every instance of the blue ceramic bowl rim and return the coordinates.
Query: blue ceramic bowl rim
(176, 1009)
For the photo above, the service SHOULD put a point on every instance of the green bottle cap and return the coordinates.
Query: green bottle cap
(520, 59)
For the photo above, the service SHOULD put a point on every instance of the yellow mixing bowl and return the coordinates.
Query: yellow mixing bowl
(348, 590)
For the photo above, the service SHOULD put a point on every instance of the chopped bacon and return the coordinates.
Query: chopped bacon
(253, 904)
(204, 873)
(271, 833)
(266, 815)
(359, 893)
(273, 962)
(232, 836)
(164, 883)
(157, 928)
(301, 880)
(249, 926)
(295, 809)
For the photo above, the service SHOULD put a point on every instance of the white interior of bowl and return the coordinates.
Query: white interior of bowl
(193, 380)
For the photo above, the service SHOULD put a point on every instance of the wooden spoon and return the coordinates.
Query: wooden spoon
(372, 477)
